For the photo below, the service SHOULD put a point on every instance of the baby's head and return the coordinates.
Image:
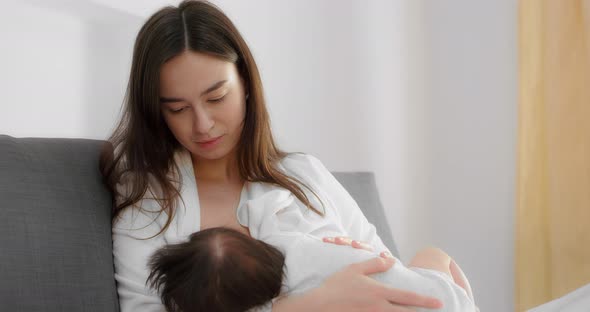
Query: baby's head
(217, 269)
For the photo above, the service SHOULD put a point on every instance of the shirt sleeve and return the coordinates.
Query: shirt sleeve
(131, 255)
(350, 215)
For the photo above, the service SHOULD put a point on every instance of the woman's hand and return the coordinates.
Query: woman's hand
(351, 290)
(343, 240)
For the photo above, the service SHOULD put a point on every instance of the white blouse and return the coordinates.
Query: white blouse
(131, 255)
(274, 215)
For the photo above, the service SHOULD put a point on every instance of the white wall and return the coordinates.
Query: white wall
(470, 140)
(64, 67)
(423, 93)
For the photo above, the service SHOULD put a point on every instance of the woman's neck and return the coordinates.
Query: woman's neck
(223, 170)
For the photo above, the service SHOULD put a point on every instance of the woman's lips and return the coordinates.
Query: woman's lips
(208, 144)
(203, 142)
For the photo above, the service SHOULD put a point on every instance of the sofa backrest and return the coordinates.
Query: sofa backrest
(55, 225)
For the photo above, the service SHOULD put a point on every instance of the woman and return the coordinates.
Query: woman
(194, 130)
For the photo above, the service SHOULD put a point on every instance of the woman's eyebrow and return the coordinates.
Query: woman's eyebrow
(214, 87)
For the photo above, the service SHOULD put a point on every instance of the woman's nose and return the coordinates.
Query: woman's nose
(202, 121)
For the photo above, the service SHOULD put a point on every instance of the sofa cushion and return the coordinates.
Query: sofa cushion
(55, 227)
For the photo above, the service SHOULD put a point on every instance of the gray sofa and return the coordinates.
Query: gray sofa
(55, 225)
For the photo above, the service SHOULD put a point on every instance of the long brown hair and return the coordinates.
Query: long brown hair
(142, 147)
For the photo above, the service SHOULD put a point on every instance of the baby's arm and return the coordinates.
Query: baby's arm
(436, 259)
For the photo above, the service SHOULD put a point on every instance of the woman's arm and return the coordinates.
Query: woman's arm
(351, 289)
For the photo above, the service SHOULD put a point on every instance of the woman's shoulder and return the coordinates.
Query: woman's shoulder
(145, 217)
(307, 167)
(146, 212)
(300, 160)
(138, 223)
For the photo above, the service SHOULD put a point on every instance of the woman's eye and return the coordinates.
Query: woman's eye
(177, 110)
(217, 99)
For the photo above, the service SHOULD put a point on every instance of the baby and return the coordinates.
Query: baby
(220, 269)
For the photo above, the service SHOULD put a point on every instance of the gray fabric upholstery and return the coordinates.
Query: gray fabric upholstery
(55, 227)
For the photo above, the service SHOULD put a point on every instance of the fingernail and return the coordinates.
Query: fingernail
(329, 239)
(435, 302)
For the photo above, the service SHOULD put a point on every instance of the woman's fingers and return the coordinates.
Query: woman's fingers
(386, 254)
(338, 240)
(388, 307)
(374, 265)
(350, 289)
(395, 296)
(343, 240)
(408, 298)
(396, 308)
(361, 245)
(328, 240)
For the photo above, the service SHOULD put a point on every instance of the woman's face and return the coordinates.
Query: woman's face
(202, 98)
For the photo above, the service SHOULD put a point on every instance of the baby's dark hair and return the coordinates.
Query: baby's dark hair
(217, 269)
